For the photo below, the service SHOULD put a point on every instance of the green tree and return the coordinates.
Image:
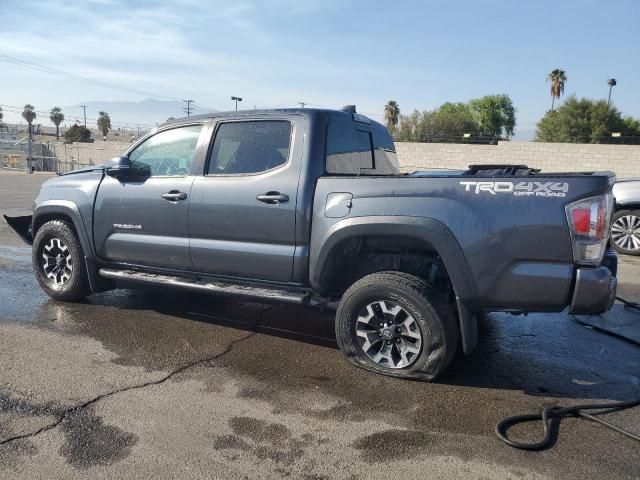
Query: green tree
(558, 78)
(585, 121)
(631, 126)
(494, 114)
(104, 123)
(77, 133)
(450, 123)
(482, 120)
(410, 128)
(1, 115)
(391, 114)
(57, 117)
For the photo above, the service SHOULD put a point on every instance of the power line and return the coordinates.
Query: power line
(61, 73)
(45, 114)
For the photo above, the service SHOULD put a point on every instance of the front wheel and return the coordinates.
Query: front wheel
(58, 262)
(395, 324)
(625, 232)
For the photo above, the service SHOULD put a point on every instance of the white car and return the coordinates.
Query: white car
(625, 224)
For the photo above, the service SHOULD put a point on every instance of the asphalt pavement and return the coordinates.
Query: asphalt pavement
(132, 384)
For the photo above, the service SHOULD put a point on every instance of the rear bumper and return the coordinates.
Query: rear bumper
(595, 288)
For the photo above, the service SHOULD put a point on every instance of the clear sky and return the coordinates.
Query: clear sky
(324, 52)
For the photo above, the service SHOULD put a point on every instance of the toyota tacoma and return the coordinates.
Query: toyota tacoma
(308, 206)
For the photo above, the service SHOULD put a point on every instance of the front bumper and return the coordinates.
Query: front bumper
(22, 226)
(595, 288)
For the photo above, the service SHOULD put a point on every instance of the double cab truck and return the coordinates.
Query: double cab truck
(308, 206)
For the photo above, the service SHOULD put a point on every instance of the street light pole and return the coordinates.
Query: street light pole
(236, 99)
(612, 83)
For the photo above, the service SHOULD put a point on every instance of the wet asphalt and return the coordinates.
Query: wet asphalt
(132, 384)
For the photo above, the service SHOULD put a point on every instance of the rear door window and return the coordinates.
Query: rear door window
(250, 147)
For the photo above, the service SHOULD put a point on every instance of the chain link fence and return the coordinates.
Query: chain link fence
(58, 157)
(14, 156)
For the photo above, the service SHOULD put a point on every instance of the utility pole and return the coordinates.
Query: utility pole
(84, 108)
(187, 109)
(30, 150)
(138, 130)
(236, 99)
(302, 104)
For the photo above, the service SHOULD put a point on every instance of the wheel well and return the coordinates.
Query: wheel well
(358, 256)
(47, 217)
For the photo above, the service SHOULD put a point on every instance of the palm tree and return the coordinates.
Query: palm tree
(104, 123)
(391, 113)
(57, 117)
(557, 78)
(29, 115)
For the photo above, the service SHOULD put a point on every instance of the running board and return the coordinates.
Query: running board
(215, 287)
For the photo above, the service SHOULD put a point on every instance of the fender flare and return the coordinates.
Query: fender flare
(428, 230)
(66, 208)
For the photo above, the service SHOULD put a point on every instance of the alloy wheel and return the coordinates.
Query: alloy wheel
(57, 263)
(625, 232)
(388, 334)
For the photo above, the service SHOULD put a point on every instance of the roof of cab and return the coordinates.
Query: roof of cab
(252, 113)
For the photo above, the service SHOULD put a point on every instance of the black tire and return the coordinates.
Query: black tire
(627, 243)
(430, 309)
(76, 286)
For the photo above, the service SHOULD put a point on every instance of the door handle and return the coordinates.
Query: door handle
(273, 198)
(174, 196)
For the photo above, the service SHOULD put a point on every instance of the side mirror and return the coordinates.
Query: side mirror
(117, 166)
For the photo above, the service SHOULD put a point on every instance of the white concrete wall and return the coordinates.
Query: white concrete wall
(624, 160)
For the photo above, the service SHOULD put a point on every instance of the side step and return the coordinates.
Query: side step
(214, 287)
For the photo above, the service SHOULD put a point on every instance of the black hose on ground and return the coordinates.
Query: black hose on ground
(552, 416)
(629, 304)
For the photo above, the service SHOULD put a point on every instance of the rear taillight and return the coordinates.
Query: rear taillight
(589, 226)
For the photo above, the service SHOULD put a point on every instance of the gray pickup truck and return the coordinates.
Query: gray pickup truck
(308, 206)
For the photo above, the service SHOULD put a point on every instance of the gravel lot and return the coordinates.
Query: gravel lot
(142, 385)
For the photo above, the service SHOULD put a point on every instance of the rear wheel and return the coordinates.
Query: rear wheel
(58, 262)
(395, 324)
(625, 232)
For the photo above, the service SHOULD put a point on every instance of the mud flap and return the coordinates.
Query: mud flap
(22, 226)
(468, 327)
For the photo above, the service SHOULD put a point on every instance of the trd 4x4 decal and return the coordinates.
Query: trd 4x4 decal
(520, 189)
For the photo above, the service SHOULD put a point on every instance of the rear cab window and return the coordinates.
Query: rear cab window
(359, 148)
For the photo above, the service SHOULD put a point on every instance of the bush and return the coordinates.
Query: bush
(78, 133)
(586, 121)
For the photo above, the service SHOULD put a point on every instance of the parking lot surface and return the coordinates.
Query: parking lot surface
(133, 384)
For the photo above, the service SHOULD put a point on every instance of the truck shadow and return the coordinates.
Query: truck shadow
(546, 355)
(541, 354)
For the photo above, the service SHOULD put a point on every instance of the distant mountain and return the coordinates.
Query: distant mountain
(147, 112)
